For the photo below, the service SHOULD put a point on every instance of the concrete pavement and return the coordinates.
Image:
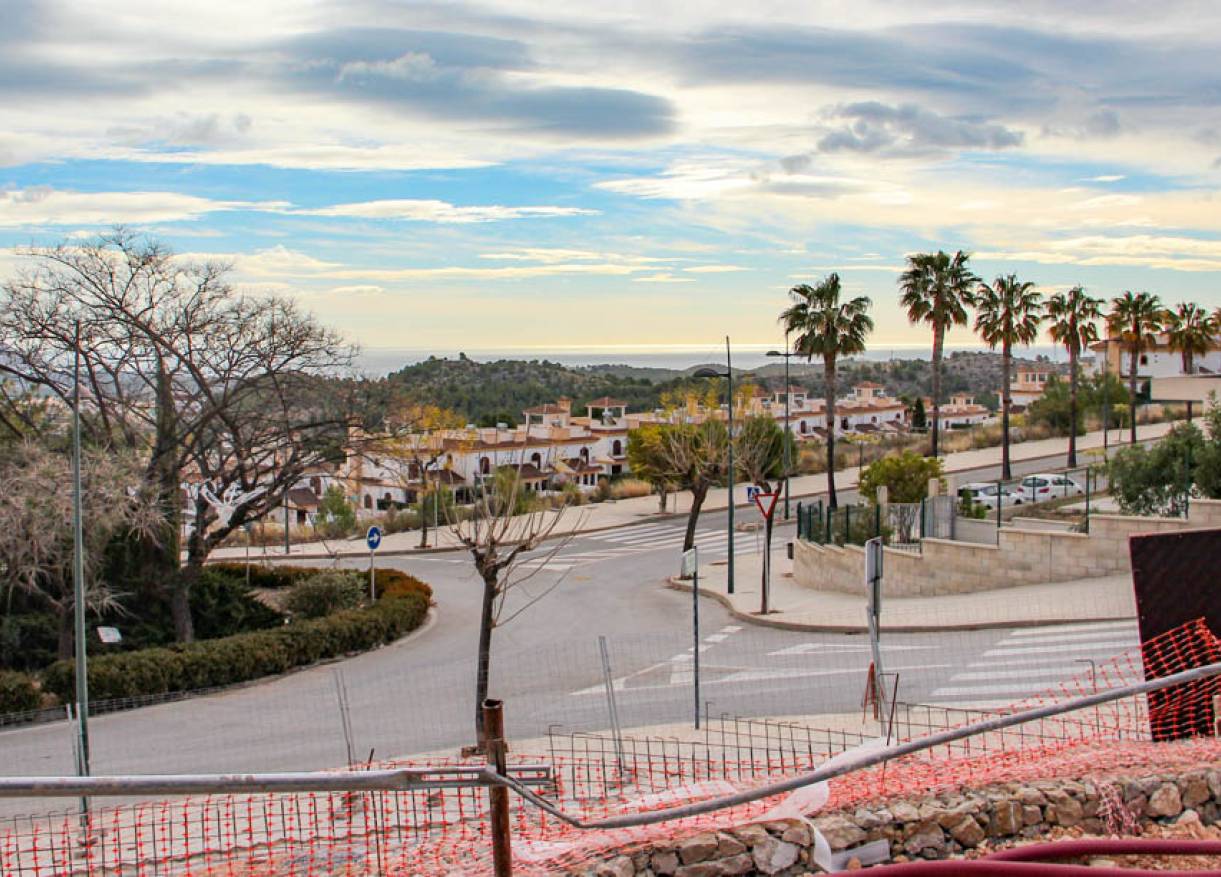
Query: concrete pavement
(625, 512)
(794, 607)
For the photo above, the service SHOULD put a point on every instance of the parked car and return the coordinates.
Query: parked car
(1045, 485)
(985, 493)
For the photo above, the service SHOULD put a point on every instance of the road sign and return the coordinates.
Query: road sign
(110, 635)
(373, 538)
(689, 564)
(766, 502)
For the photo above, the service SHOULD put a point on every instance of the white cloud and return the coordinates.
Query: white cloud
(43, 205)
(714, 269)
(427, 210)
(664, 277)
(1148, 251)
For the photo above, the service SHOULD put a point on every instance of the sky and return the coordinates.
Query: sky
(562, 175)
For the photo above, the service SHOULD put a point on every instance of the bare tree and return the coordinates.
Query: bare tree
(759, 458)
(505, 526)
(206, 385)
(697, 458)
(36, 547)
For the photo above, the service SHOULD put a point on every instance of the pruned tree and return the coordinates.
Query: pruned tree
(647, 459)
(36, 535)
(499, 537)
(697, 457)
(758, 457)
(416, 440)
(1190, 331)
(208, 387)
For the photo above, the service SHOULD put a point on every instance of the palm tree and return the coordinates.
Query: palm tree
(1135, 318)
(1190, 332)
(824, 326)
(1007, 313)
(1072, 320)
(935, 289)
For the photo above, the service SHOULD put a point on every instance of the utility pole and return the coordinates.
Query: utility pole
(729, 378)
(788, 433)
(78, 577)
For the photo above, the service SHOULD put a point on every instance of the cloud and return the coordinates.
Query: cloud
(43, 205)
(876, 127)
(664, 277)
(714, 269)
(1168, 252)
(416, 210)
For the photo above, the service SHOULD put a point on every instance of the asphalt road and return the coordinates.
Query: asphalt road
(418, 695)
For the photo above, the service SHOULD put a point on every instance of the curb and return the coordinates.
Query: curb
(647, 519)
(677, 584)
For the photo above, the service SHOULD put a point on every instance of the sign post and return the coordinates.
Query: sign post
(873, 613)
(373, 539)
(691, 568)
(766, 501)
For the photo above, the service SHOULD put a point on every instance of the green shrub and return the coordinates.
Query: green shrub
(324, 593)
(18, 692)
(246, 656)
(28, 640)
(396, 583)
(266, 577)
(221, 605)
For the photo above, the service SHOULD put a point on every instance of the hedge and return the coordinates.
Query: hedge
(18, 692)
(275, 577)
(246, 656)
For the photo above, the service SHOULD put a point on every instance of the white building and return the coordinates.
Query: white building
(962, 411)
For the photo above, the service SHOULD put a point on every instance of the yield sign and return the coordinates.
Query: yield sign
(767, 503)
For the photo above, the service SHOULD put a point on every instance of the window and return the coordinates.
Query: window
(1144, 359)
(617, 449)
(485, 466)
(315, 484)
(368, 503)
(537, 460)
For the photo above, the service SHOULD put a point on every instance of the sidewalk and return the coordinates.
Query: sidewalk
(624, 512)
(793, 607)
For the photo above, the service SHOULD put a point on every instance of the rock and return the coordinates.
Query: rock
(700, 869)
(699, 848)
(1006, 819)
(739, 864)
(727, 845)
(1190, 820)
(1099, 862)
(927, 840)
(773, 855)
(1214, 784)
(664, 863)
(1028, 795)
(904, 812)
(617, 867)
(799, 832)
(966, 831)
(641, 860)
(1210, 813)
(1193, 789)
(853, 864)
(750, 834)
(840, 832)
(1032, 814)
(869, 820)
(1068, 812)
(1165, 801)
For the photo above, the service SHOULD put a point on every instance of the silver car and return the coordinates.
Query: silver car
(1047, 485)
(986, 493)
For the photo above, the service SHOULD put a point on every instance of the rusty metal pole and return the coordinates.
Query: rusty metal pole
(498, 796)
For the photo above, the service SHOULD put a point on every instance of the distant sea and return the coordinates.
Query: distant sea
(380, 361)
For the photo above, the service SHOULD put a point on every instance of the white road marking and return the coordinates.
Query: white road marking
(1074, 628)
(1117, 644)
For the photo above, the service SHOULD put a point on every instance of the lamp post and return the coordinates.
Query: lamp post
(728, 375)
(788, 435)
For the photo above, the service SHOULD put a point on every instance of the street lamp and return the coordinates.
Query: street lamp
(728, 375)
(788, 435)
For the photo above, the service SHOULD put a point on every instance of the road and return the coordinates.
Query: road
(417, 695)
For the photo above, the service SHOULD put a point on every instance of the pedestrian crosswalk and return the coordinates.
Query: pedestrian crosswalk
(1027, 663)
(637, 540)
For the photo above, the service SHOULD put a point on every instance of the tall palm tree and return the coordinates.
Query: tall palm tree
(824, 326)
(935, 289)
(1072, 318)
(1007, 313)
(1135, 318)
(1190, 332)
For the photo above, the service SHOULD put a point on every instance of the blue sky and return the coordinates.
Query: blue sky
(519, 173)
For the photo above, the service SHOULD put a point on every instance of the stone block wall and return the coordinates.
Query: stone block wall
(1021, 557)
(932, 828)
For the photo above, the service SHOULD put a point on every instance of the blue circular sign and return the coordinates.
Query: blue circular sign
(373, 538)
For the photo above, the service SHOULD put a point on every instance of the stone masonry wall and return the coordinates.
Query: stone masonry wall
(934, 827)
(1022, 557)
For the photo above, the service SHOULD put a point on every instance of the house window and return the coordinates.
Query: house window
(584, 455)
(804, 428)
(537, 460)
(485, 466)
(368, 501)
(617, 448)
(1144, 359)
(315, 484)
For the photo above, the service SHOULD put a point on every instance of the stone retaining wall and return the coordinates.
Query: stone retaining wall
(934, 827)
(1022, 557)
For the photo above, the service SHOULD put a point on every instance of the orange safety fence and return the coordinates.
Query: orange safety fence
(446, 831)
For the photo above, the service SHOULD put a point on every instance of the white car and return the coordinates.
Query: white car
(985, 493)
(1046, 485)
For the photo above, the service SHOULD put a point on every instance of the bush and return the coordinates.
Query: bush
(395, 583)
(28, 640)
(269, 576)
(1154, 481)
(222, 605)
(18, 692)
(626, 488)
(324, 593)
(247, 656)
(906, 477)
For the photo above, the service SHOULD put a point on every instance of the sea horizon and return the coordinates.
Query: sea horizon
(380, 361)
